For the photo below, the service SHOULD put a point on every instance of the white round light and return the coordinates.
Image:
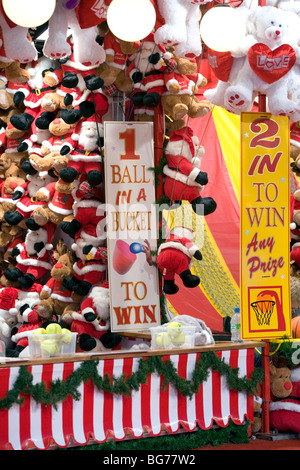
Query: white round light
(131, 20)
(222, 28)
(29, 13)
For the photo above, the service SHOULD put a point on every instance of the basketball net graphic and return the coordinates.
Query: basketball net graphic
(263, 308)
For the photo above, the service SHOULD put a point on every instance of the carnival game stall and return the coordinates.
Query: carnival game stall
(146, 196)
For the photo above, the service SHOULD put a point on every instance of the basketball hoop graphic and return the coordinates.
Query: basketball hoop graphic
(263, 308)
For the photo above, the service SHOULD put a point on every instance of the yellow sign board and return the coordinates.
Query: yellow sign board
(265, 226)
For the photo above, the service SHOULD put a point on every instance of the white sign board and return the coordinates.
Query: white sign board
(130, 224)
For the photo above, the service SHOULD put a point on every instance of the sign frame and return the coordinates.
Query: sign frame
(265, 227)
(130, 220)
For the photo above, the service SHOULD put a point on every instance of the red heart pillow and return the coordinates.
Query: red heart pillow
(270, 65)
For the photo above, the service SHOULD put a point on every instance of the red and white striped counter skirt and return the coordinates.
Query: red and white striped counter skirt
(101, 415)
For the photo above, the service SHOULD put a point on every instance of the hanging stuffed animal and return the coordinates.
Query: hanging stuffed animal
(183, 178)
(272, 39)
(175, 256)
(181, 28)
(16, 43)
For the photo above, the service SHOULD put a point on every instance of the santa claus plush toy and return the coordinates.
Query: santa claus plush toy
(90, 269)
(83, 150)
(32, 257)
(184, 180)
(44, 77)
(92, 322)
(25, 197)
(175, 256)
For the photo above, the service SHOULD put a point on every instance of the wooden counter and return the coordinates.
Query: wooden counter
(218, 346)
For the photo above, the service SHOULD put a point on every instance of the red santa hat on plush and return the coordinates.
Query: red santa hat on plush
(185, 134)
(30, 296)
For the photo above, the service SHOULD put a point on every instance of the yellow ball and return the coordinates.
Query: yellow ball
(37, 334)
(163, 340)
(53, 329)
(49, 346)
(66, 336)
(179, 340)
(174, 329)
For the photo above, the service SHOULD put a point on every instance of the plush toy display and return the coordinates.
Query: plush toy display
(272, 38)
(175, 256)
(184, 180)
(54, 98)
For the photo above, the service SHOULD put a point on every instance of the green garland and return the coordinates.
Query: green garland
(215, 436)
(59, 390)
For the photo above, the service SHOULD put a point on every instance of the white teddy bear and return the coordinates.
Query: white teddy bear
(269, 64)
(181, 29)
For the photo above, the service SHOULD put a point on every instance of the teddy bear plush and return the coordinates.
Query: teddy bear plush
(32, 257)
(16, 43)
(54, 298)
(10, 138)
(285, 391)
(13, 177)
(92, 322)
(48, 157)
(272, 38)
(90, 268)
(112, 71)
(181, 27)
(25, 198)
(10, 236)
(58, 196)
(45, 75)
(175, 256)
(86, 50)
(181, 86)
(183, 178)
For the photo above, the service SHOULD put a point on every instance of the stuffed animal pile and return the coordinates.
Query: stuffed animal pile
(53, 102)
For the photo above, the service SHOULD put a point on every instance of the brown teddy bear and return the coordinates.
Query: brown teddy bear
(181, 86)
(10, 234)
(55, 299)
(13, 177)
(50, 156)
(11, 139)
(112, 71)
(12, 76)
(60, 203)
